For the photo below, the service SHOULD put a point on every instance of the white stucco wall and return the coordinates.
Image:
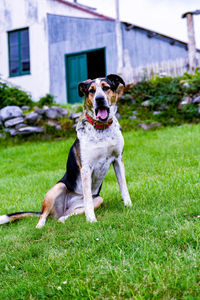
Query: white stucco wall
(18, 14)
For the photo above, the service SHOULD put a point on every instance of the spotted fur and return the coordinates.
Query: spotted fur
(89, 158)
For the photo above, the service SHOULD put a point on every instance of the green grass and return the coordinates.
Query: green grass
(149, 251)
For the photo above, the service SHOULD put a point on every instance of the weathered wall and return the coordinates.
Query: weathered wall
(53, 32)
(70, 35)
(144, 50)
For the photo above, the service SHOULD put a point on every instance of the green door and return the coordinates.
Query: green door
(76, 69)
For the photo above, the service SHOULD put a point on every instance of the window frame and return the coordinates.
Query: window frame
(19, 47)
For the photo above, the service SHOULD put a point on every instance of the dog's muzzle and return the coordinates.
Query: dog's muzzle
(101, 108)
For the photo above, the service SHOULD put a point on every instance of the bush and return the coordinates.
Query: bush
(164, 93)
(159, 90)
(46, 100)
(13, 96)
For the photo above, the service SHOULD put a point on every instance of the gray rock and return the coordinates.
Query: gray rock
(146, 103)
(11, 131)
(133, 117)
(10, 112)
(196, 100)
(40, 111)
(54, 124)
(58, 127)
(62, 111)
(145, 126)
(186, 100)
(25, 107)
(32, 118)
(186, 84)
(45, 107)
(156, 113)
(30, 129)
(75, 115)
(162, 107)
(199, 110)
(52, 113)
(13, 122)
(20, 126)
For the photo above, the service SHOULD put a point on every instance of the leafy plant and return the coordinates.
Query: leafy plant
(164, 94)
(13, 96)
(46, 100)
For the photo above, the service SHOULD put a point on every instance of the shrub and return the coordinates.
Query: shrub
(13, 96)
(159, 90)
(165, 94)
(46, 100)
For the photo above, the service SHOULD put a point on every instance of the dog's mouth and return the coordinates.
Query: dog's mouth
(102, 113)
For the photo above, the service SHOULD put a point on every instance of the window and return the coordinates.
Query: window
(19, 58)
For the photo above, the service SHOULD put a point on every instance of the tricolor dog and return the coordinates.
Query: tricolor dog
(99, 144)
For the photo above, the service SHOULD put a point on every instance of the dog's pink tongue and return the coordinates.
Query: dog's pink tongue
(102, 113)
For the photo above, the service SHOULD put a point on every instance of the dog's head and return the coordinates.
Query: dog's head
(100, 96)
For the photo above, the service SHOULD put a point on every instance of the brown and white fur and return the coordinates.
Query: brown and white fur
(98, 145)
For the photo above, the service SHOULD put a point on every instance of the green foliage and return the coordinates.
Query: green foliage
(66, 130)
(194, 82)
(159, 90)
(13, 96)
(164, 95)
(149, 251)
(46, 100)
(189, 112)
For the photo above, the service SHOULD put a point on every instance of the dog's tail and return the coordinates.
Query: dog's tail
(17, 216)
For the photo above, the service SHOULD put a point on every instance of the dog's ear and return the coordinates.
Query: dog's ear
(83, 88)
(115, 80)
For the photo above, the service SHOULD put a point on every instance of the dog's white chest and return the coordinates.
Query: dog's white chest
(98, 150)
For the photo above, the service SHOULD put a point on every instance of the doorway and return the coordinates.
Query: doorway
(83, 66)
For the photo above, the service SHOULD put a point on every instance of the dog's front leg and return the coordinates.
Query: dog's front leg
(87, 193)
(120, 174)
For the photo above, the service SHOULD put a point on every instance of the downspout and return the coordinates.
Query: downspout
(119, 40)
(191, 41)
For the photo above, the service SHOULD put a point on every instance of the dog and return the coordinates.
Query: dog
(99, 144)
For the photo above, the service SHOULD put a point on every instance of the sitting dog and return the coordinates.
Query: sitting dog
(99, 143)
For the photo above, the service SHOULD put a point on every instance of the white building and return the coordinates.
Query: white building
(24, 40)
(48, 46)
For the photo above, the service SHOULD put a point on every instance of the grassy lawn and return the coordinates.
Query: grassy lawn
(149, 251)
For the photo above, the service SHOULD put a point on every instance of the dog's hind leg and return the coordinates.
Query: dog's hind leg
(80, 210)
(53, 203)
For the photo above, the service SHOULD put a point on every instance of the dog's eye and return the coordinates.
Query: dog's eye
(105, 88)
(92, 91)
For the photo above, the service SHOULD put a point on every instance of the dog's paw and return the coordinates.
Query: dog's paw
(40, 224)
(62, 219)
(128, 203)
(91, 219)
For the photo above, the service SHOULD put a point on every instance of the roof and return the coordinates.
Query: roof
(129, 26)
(152, 33)
(196, 12)
(85, 9)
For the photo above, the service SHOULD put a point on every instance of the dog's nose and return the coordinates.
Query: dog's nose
(100, 101)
